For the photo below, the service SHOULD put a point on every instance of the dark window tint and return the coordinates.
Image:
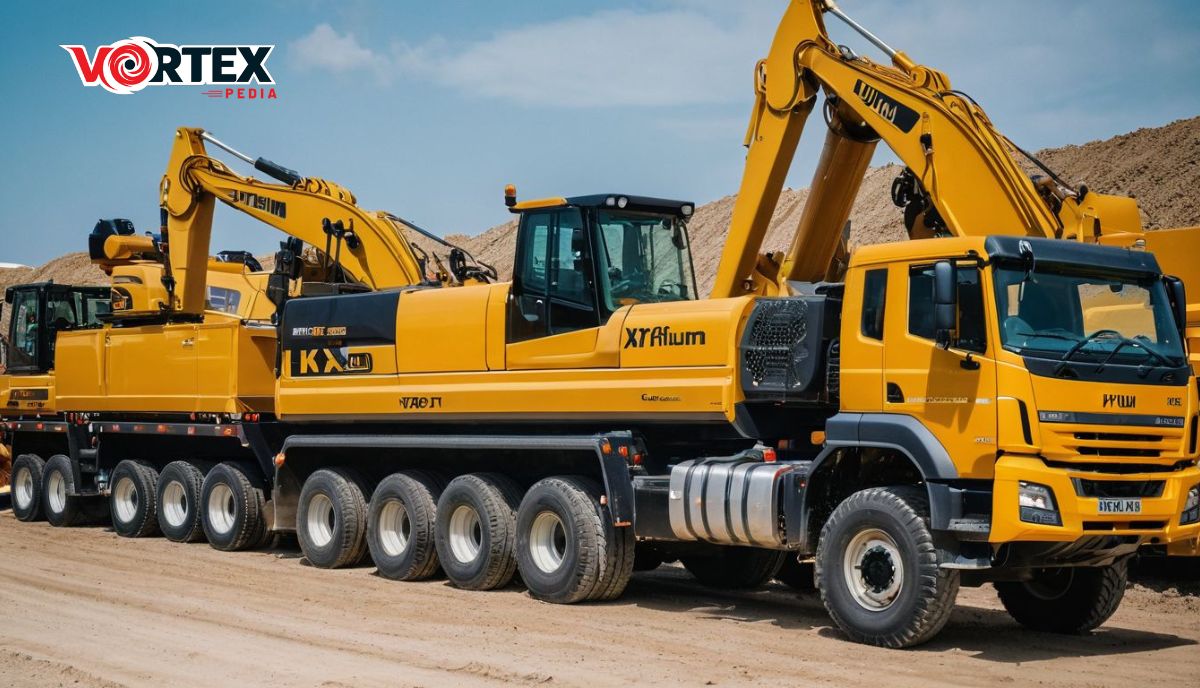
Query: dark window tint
(971, 330)
(874, 296)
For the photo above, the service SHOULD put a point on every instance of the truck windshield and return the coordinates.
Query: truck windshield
(644, 258)
(1069, 313)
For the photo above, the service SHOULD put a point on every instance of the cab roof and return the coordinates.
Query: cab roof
(612, 201)
(1004, 247)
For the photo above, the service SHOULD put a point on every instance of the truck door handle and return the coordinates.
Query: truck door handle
(895, 395)
(189, 342)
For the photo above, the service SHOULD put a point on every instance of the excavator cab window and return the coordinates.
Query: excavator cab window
(40, 312)
(553, 285)
(644, 258)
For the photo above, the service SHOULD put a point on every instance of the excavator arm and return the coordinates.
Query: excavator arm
(961, 176)
(368, 246)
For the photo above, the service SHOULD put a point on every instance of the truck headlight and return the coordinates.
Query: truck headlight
(1191, 507)
(1037, 504)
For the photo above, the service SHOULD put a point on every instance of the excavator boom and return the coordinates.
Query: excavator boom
(962, 176)
(368, 246)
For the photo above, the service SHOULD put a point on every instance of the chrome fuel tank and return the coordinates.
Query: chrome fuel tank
(728, 501)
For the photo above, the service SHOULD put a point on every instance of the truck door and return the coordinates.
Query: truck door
(952, 395)
(553, 320)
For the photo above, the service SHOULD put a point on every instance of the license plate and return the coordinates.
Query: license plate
(1120, 506)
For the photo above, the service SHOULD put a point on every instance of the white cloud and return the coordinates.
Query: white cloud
(323, 48)
(609, 58)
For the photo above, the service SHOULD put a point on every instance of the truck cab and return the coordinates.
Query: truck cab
(1050, 387)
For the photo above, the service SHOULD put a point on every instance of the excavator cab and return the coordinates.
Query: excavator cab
(581, 259)
(39, 312)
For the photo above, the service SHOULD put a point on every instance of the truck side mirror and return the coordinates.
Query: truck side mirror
(945, 302)
(1178, 299)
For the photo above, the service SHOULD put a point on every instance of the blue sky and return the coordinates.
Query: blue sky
(428, 109)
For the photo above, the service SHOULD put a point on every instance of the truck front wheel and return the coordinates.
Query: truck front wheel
(331, 522)
(1065, 600)
(27, 487)
(476, 530)
(877, 569)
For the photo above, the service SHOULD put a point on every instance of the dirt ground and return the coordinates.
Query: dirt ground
(83, 607)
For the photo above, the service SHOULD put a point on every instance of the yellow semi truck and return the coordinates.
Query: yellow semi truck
(940, 415)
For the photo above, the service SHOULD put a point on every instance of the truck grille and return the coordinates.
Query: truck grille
(1071, 443)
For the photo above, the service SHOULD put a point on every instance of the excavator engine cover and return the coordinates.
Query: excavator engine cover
(783, 347)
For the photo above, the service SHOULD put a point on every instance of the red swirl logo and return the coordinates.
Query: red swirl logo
(123, 67)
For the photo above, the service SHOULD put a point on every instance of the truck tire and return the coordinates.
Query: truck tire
(1069, 600)
(565, 552)
(133, 500)
(476, 530)
(64, 508)
(797, 575)
(400, 525)
(27, 487)
(737, 568)
(620, 569)
(231, 509)
(878, 572)
(178, 494)
(331, 519)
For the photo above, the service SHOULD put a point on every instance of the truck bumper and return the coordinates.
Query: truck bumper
(1158, 521)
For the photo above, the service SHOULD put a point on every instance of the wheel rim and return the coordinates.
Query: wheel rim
(56, 492)
(320, 520)
(547, 541)
(175, 504)
(222, 511)
(466, 534)
(873, 570)
(126, 498)
(395, 528)
(23, 492)
(1050, 584)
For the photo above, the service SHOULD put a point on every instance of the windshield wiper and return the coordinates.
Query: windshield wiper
(1090, 338)
(1126, 341)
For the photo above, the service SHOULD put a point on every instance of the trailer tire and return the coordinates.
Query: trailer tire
(797, 575)
(401, 525)
(178, 493)
(735, 568)
(133, 499)
(331, 519)
(231, 509)
(1070, 600)
(475, 530)
(620, 569)
(566, 549)
(900, 597)
(63, 508)
(27, 473)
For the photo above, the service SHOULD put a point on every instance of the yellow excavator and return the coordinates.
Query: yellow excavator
(961, 175)
(989, 408)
